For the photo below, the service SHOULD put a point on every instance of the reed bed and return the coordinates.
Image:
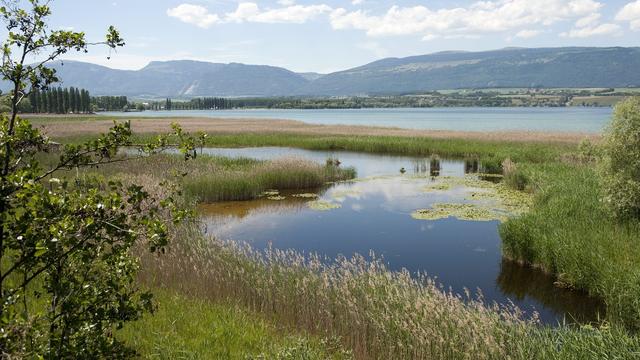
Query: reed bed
(377, 313)
(215, 178)
(250, 183)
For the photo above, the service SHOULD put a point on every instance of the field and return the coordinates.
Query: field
(360, 309)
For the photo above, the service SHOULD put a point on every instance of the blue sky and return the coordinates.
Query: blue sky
(330, 35)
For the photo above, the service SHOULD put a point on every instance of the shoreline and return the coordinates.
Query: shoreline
(70, 125)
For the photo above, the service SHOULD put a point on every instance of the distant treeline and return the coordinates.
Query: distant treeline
(354, 102)
(110, 103)
(72, 100)
(59, 101)
(207, 103)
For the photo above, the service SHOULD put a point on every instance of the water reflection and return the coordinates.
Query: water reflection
(521, 282)
(471, 166)
(375, 214)
(435, 166)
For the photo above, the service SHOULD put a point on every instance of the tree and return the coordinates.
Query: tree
(67, 242)
(621, 165)
(76, 101)
(72, 100)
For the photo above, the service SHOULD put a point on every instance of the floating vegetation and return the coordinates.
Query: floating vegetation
(495, 197)
(306, 196)
(486, 175)
(271, 193)
(276, 198)
(440, 186)
(467, 212)
(321, 205)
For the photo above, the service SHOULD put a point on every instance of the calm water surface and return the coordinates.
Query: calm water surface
(577, 119)
(375, 214)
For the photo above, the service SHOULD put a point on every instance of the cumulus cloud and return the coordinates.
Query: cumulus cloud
(631, 14)
(480, 17)
(194, 14)
(524, 18)
(298, 14)
(589, 31)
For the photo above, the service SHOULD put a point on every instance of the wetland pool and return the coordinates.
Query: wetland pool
(392, 215)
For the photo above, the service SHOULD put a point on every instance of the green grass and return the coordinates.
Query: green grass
(570, 233)
(188, 328)
(214, 178)
(488, 150)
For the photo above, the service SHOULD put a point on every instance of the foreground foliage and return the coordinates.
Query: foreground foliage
(67, 277)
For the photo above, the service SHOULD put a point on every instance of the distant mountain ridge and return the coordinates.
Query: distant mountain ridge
(572, 67)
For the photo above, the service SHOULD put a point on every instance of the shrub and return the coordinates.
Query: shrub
(621, 165)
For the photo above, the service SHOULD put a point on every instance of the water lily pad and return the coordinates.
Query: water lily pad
(306, 196)
(321, 205)
(276, 198)
(271, 193)
(440, 186)
(467, 212)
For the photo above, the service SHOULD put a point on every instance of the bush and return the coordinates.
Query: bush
(621, 165)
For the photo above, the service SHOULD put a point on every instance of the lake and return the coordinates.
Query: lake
(566, 119)
(374, 213)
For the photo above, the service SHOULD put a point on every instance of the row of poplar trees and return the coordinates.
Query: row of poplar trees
(61, 101)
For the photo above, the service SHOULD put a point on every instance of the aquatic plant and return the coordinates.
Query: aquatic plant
(306, 196)
(467, 212)
(491, 201)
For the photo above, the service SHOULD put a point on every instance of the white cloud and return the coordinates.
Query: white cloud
(588, 20)
(297, 14)
(286, 2)
(596, 30)
(480, 17)
(194, 14)
(357, 2)
(631, 14)
(528, 34)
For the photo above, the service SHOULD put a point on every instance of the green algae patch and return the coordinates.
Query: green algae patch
(270, 193)
(321, 205)
(440, 186)
(466, 212)
(276, 198)
(488, 196)
(306, 196)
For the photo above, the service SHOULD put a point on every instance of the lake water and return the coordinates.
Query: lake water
(375, 214)
(574, 119)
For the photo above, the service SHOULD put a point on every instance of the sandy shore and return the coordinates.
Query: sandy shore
(62, 127)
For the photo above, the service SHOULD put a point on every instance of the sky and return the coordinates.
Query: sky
(331, 35)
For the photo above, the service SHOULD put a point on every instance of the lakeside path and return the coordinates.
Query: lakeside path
(65, 126)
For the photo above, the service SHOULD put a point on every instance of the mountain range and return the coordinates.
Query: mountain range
(572, 67)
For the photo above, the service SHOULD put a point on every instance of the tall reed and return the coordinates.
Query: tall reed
(377, 313)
